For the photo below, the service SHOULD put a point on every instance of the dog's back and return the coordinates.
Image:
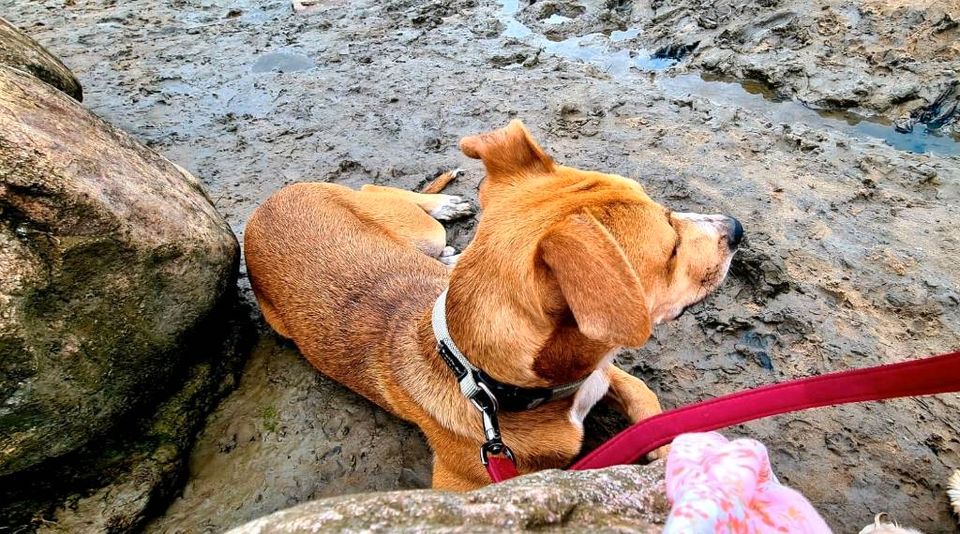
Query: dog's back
(318, 271)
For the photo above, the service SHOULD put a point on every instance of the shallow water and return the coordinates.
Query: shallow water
(556, 19)
(600, 50)
(920, 140)
(753, 95)
(593, 48)
(282, 62)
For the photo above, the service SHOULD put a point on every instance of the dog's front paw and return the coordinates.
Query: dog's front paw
(451, 208)
(659, 454)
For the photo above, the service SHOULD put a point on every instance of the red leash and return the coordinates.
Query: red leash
(928, 376)
(501, 468)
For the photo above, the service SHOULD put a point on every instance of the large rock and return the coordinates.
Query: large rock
(110, 256)
(21, 52)
(618, 499)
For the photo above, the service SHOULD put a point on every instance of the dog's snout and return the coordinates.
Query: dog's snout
(734, 233)
(719, 226)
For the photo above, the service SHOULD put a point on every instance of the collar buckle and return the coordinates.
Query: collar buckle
(479, 388)
(486, 403)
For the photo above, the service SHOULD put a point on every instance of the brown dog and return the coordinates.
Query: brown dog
(566, 267)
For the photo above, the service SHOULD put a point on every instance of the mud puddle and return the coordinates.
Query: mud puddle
(593, 48)
(746, 94)
(282, 62)
(606, 52)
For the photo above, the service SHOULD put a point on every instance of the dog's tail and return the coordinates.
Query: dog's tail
(953, 491)
(441, 181)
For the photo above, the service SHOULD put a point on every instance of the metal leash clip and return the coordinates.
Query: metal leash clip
(486, 404)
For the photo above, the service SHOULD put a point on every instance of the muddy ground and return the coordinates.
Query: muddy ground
(874, 56)
(852, 237)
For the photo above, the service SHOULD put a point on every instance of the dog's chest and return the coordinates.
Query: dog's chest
(590, 392)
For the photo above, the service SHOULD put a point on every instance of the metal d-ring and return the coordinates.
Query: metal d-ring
(495, 447)
(491, 425)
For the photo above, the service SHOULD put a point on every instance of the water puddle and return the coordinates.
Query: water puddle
(593, 48)
(617, 35)
(282, 62)
(556, 19)
(753, 95)
(242, 11)
(602, 51)
(919, 142)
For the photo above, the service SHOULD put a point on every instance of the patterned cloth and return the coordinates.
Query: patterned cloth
(717, 485)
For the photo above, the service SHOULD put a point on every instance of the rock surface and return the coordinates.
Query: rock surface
(116, 482)
(109, 256)
(618, 499)
(21, 52)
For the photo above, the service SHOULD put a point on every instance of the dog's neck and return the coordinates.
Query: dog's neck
(476, 384)
(513, 341)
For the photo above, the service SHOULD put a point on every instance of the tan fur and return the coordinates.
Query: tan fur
(566, 266)
(440, 182)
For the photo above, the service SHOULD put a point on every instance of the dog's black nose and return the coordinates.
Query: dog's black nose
(734, 233)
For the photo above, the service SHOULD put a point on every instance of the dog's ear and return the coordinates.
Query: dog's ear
(508, 153)
(599, 284)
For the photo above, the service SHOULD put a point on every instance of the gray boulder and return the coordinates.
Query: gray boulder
(21, 52)
(618, 499)
(110, 256)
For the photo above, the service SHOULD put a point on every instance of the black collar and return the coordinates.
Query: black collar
(507, 397)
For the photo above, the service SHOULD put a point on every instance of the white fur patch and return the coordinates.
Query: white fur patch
(882, 525)
(709, 224)
(451, 207)
(590, 393)
(449, 261)
(954, 492)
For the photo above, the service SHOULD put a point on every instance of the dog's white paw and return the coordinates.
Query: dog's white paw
(953, 491)
(449, 260)
(447, 251)
(659, 454)
(451, 208)
(882, 525)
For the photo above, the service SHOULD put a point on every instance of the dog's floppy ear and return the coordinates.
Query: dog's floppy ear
(598, 283)
(507, 153)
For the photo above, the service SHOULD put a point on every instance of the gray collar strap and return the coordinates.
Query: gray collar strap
(474, 382)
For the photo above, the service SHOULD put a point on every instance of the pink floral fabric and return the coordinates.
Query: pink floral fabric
(717, 485)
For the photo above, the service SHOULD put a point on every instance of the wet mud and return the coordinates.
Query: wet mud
(851, 226)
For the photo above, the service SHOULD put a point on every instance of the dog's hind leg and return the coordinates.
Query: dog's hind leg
(270, 314)
(402, 219)
(439, 206)
(414, 217)
(398, 215)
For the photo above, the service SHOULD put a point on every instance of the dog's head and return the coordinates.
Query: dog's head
(586, 249)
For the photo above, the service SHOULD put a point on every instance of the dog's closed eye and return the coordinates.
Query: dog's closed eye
(676, 247)
(676, 244)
